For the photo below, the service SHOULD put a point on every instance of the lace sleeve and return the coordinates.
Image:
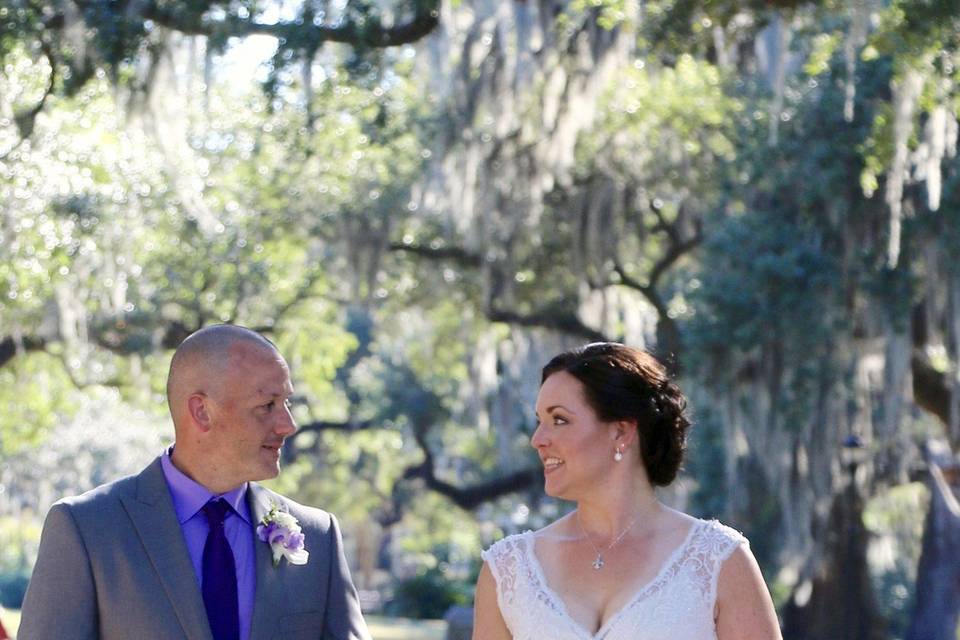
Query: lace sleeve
(503, 558)
(721, 541)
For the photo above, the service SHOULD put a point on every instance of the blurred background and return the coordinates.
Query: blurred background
(422, 201)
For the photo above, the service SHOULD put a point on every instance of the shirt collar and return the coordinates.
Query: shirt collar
(189, 496)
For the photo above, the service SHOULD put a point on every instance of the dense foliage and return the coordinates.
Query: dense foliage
(764, 193)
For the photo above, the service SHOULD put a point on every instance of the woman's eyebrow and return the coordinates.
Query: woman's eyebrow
(551, 408)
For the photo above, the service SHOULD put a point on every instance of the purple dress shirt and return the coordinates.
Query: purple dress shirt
(188, 500)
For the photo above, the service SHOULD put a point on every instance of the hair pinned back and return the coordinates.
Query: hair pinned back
(625, 383)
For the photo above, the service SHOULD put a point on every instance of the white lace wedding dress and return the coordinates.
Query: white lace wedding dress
(678, 604)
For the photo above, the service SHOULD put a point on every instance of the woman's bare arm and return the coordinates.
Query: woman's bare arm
(488, 624)
(744, 607)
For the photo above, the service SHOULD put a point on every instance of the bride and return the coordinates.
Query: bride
(622, 566)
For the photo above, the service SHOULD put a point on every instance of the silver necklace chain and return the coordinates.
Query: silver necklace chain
(598, 562)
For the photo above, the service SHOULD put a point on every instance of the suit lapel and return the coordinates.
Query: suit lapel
(151, 511)
(269, 599)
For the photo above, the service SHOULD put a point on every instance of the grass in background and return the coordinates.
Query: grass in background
(380, 628)
(383, 628)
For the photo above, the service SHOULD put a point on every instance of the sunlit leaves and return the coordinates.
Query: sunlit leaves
(914, 28)
(823, 47)
(18, 543)
(609, 13)
(662, 130)
(24, 81)
(19, 23)
(317, 346)
(77, 198)
(684, 106)
(435, 536)
(37, 395)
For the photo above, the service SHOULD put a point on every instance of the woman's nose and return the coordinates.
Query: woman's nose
(538, 439)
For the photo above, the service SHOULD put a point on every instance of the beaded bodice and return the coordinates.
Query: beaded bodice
(677, 603)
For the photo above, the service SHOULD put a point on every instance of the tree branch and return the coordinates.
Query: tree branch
(547, 319)
(369, 33)
(25, 120)
(931, 390)
(457, 254)
(10, 346)
(325, 425)
(469, 497)
(473, 496)
(678, 248)
(121, 339)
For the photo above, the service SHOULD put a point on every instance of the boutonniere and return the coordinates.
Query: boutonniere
(282, 532)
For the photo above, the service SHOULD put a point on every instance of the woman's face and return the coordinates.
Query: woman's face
(575, 446)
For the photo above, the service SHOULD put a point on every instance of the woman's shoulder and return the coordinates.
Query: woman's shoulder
(704, 536)
(556, 530)
(507, 546)
(714, 528)
(716, 538)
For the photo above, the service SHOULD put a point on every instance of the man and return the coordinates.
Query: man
(177, 551)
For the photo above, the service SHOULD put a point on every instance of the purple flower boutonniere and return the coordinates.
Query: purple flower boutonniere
(282, 532)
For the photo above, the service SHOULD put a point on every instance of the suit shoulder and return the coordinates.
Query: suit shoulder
(98, 497)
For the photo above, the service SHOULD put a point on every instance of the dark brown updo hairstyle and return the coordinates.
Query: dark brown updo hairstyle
(624, 383)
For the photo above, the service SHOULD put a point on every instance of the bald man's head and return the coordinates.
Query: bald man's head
(204, 358)
(229, 391)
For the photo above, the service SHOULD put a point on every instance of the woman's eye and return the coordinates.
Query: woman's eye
(559, 420)
(269, 406)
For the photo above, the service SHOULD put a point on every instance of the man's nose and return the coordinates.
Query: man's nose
(286, 425)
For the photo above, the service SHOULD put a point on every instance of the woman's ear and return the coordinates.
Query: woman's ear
(624, 432)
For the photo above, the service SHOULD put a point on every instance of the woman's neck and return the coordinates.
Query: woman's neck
(608, 515)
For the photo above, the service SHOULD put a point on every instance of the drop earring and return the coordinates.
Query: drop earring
(618, 455)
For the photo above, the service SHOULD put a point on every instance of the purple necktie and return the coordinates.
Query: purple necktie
(220, 575)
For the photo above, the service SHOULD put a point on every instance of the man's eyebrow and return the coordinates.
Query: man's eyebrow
(272, 394)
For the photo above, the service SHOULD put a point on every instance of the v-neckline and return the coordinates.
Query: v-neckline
(561, 605)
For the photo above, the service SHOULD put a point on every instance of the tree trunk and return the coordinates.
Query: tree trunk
(937, 609)
(838, 601)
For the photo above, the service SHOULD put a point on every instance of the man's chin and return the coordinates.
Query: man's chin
(269, 467)
(269, 472)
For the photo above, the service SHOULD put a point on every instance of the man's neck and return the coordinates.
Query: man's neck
(201, 474)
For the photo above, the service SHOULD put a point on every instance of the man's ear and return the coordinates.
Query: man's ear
(197, 406)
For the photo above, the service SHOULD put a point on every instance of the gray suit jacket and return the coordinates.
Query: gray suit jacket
(113, 565)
